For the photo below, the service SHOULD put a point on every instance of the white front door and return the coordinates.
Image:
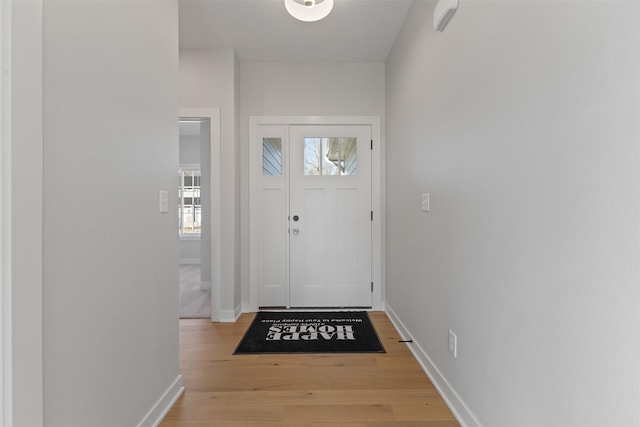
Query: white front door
(330, 216)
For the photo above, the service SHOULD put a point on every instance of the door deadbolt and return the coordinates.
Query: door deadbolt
(296, 217)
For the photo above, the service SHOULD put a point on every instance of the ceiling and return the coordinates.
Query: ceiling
(262, 30)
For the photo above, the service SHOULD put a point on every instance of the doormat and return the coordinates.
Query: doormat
(310, 332)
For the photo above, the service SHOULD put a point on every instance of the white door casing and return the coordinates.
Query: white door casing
(270, 126)
(269, 212)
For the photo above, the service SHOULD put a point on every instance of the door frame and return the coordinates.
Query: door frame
(377, 195)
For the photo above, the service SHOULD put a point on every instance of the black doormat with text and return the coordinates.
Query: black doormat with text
(310, 332)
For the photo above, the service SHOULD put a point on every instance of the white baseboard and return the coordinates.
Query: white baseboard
(462, 413)
(231, 316)
(164, 404)
(189, 261)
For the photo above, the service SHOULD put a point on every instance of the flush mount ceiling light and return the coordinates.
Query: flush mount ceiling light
(308, 10)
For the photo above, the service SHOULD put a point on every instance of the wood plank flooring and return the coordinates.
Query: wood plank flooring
(346, 390)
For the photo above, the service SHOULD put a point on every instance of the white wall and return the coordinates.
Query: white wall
(302, 89)
(190, 251)
(110, 258)
(26, 169)
(208, 80)
(521, 121)
(307, 89)
(190, 149)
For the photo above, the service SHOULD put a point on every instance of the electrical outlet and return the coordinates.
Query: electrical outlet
(453, 344)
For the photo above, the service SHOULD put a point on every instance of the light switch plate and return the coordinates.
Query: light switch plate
(164, 201)
(453, 344)
(425, 202)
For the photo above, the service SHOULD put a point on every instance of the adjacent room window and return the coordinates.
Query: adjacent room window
(330, 156)
(190, 211)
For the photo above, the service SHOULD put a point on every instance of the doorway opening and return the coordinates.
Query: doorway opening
(198, 216)
(194, 205)
(315, 241)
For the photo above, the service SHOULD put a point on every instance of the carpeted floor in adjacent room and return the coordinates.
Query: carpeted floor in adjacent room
(195, 303)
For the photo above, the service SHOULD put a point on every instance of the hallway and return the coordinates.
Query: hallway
(354, 390)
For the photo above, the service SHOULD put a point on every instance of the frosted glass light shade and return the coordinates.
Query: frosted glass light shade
(320, 10)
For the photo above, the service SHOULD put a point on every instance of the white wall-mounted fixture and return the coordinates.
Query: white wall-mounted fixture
(164, 201)
(425, 202)
(443, 13)
(453, 344)
(308, 10)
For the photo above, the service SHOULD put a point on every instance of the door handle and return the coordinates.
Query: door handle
(296, 231)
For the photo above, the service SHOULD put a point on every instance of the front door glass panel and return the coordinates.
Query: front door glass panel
(330, 156)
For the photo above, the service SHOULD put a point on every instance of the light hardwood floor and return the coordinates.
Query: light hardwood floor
(346, 390)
